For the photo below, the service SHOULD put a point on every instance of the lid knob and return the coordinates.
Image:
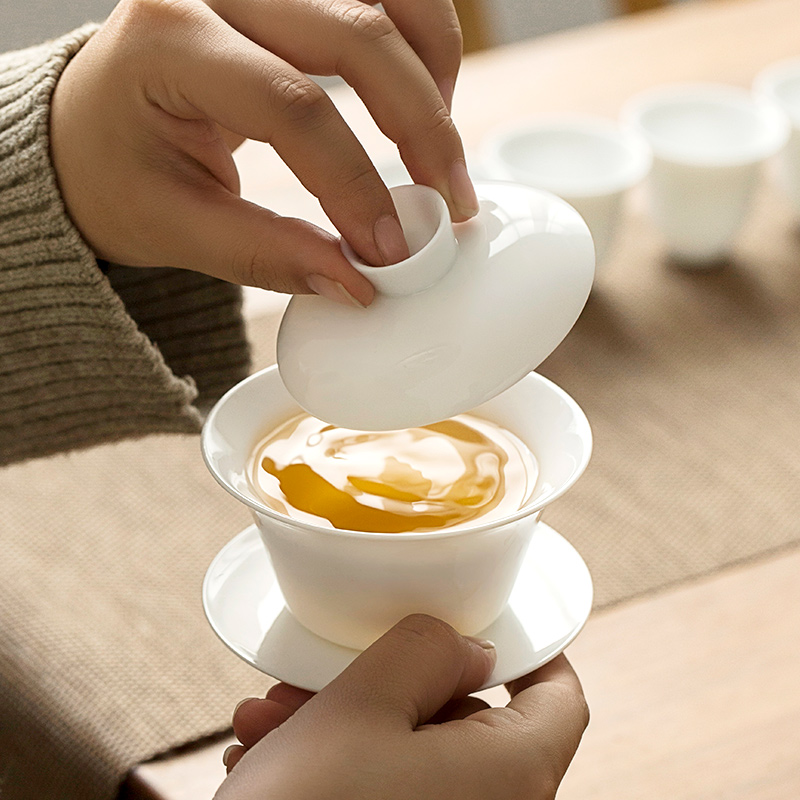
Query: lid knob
(429, 234)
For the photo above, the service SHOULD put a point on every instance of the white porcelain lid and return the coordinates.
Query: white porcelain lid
(476, 307)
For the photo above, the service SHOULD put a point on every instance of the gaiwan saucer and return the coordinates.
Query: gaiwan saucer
(549, 605)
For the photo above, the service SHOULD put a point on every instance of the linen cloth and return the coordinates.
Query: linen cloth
(106, 658)
(690, 381)
(86, 355)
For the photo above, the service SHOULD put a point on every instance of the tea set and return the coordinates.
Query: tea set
(460, 326)
(517, 275)
(698, 148)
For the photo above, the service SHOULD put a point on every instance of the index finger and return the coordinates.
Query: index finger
(551, 710)
(529, 743)
(250, 91)
(432, 29)
(556, 672)
(367, 49)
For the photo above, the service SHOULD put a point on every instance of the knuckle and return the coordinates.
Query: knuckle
(244, 266)
(451, 39)
(574, 705)
(299, 99)
(366, 23)
(160, 27)
(254, 267)
(439, 126)
(359, 183)
(158, 12)
(441, 123)
(277, 260)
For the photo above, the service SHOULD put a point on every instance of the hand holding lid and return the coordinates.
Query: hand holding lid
(475, 307)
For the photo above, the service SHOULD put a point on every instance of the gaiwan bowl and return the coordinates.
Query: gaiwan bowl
(351, 586)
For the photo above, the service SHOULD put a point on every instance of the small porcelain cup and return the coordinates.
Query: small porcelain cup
(588, 161)
(708, 141)
(780, 83)
(350, 587)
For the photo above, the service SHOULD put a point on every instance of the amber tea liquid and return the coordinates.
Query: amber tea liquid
(420, 479)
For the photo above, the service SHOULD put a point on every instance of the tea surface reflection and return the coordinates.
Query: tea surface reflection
(454, 472)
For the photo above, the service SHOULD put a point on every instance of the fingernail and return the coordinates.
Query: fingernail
(488, 648)
(446, 90)
(333, 290)
(486, 644)
(241, 703)
(227, 754)
(462, 191)
(390, 240)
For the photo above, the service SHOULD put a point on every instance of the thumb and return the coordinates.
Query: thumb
(205, 227)
(411, 672)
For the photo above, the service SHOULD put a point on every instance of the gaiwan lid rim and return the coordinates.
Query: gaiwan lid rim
(510, 283)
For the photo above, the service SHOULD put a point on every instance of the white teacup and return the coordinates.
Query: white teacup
(780, 83)
(350, 587)
(708, 141)
(588, 161)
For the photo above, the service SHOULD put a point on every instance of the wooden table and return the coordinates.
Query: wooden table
(693, 690)
(693, 695)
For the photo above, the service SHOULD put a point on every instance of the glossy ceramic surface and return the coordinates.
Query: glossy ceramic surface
(709, 142)
(588, 161)
(477, 306)
(780, 83)
(548, 606)
(351, 586)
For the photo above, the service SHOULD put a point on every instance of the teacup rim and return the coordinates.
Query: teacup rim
(775, 123)
(584, 431)
(636, 146)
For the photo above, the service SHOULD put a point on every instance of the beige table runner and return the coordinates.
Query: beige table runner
(690, 382)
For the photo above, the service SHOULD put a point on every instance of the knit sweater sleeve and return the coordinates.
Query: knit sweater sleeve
(88, 356)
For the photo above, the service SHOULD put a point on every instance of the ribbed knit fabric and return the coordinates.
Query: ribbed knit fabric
(87, 357)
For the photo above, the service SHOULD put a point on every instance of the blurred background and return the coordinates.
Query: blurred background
(488, 22)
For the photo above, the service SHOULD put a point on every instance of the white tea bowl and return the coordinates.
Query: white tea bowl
(588, 161)
(780, 83)
(708, 141)
(350, 586)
